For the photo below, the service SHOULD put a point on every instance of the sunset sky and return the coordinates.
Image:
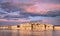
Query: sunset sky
(19, 11)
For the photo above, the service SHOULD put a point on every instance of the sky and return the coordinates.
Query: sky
(19, 11)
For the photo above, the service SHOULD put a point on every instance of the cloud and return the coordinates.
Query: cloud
(55, 1)
(25, 9)
(54, 22)
(14, 15)
(20, 20)
(42, 8)
(29, 10)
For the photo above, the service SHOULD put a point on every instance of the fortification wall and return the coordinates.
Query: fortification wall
(32, 26)
(56, 27)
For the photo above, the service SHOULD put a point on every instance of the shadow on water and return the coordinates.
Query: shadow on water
(28, 33)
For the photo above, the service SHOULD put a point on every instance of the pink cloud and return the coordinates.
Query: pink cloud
(49, 21)
(42, 8)
(20, 20)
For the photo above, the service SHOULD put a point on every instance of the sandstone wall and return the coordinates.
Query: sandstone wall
(49, 27)
(56, 27)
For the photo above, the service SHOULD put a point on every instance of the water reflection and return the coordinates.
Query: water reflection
(28, 33)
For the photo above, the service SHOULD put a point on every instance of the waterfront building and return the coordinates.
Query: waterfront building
(56, 27)
(25, 26)
(3, 27)
(15, 27)
(49, 27)
(32, 26)
(38, 27)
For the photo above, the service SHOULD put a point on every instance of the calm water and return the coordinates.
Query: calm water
(28, 33)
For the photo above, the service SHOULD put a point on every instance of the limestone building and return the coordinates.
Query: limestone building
(57, 27)
(32, 26)
(49, 27)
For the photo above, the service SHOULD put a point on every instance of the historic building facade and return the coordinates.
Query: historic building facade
(34, 26)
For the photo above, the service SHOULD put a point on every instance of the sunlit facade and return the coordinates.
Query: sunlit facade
(32, 26)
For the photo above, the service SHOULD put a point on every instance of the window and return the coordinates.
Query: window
(48, 26)
(18, 26)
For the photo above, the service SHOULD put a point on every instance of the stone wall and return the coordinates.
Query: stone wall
(38, 27)
(26, 26)
(49, 27)
(3, 27)
(32, 26)
(56, 27)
